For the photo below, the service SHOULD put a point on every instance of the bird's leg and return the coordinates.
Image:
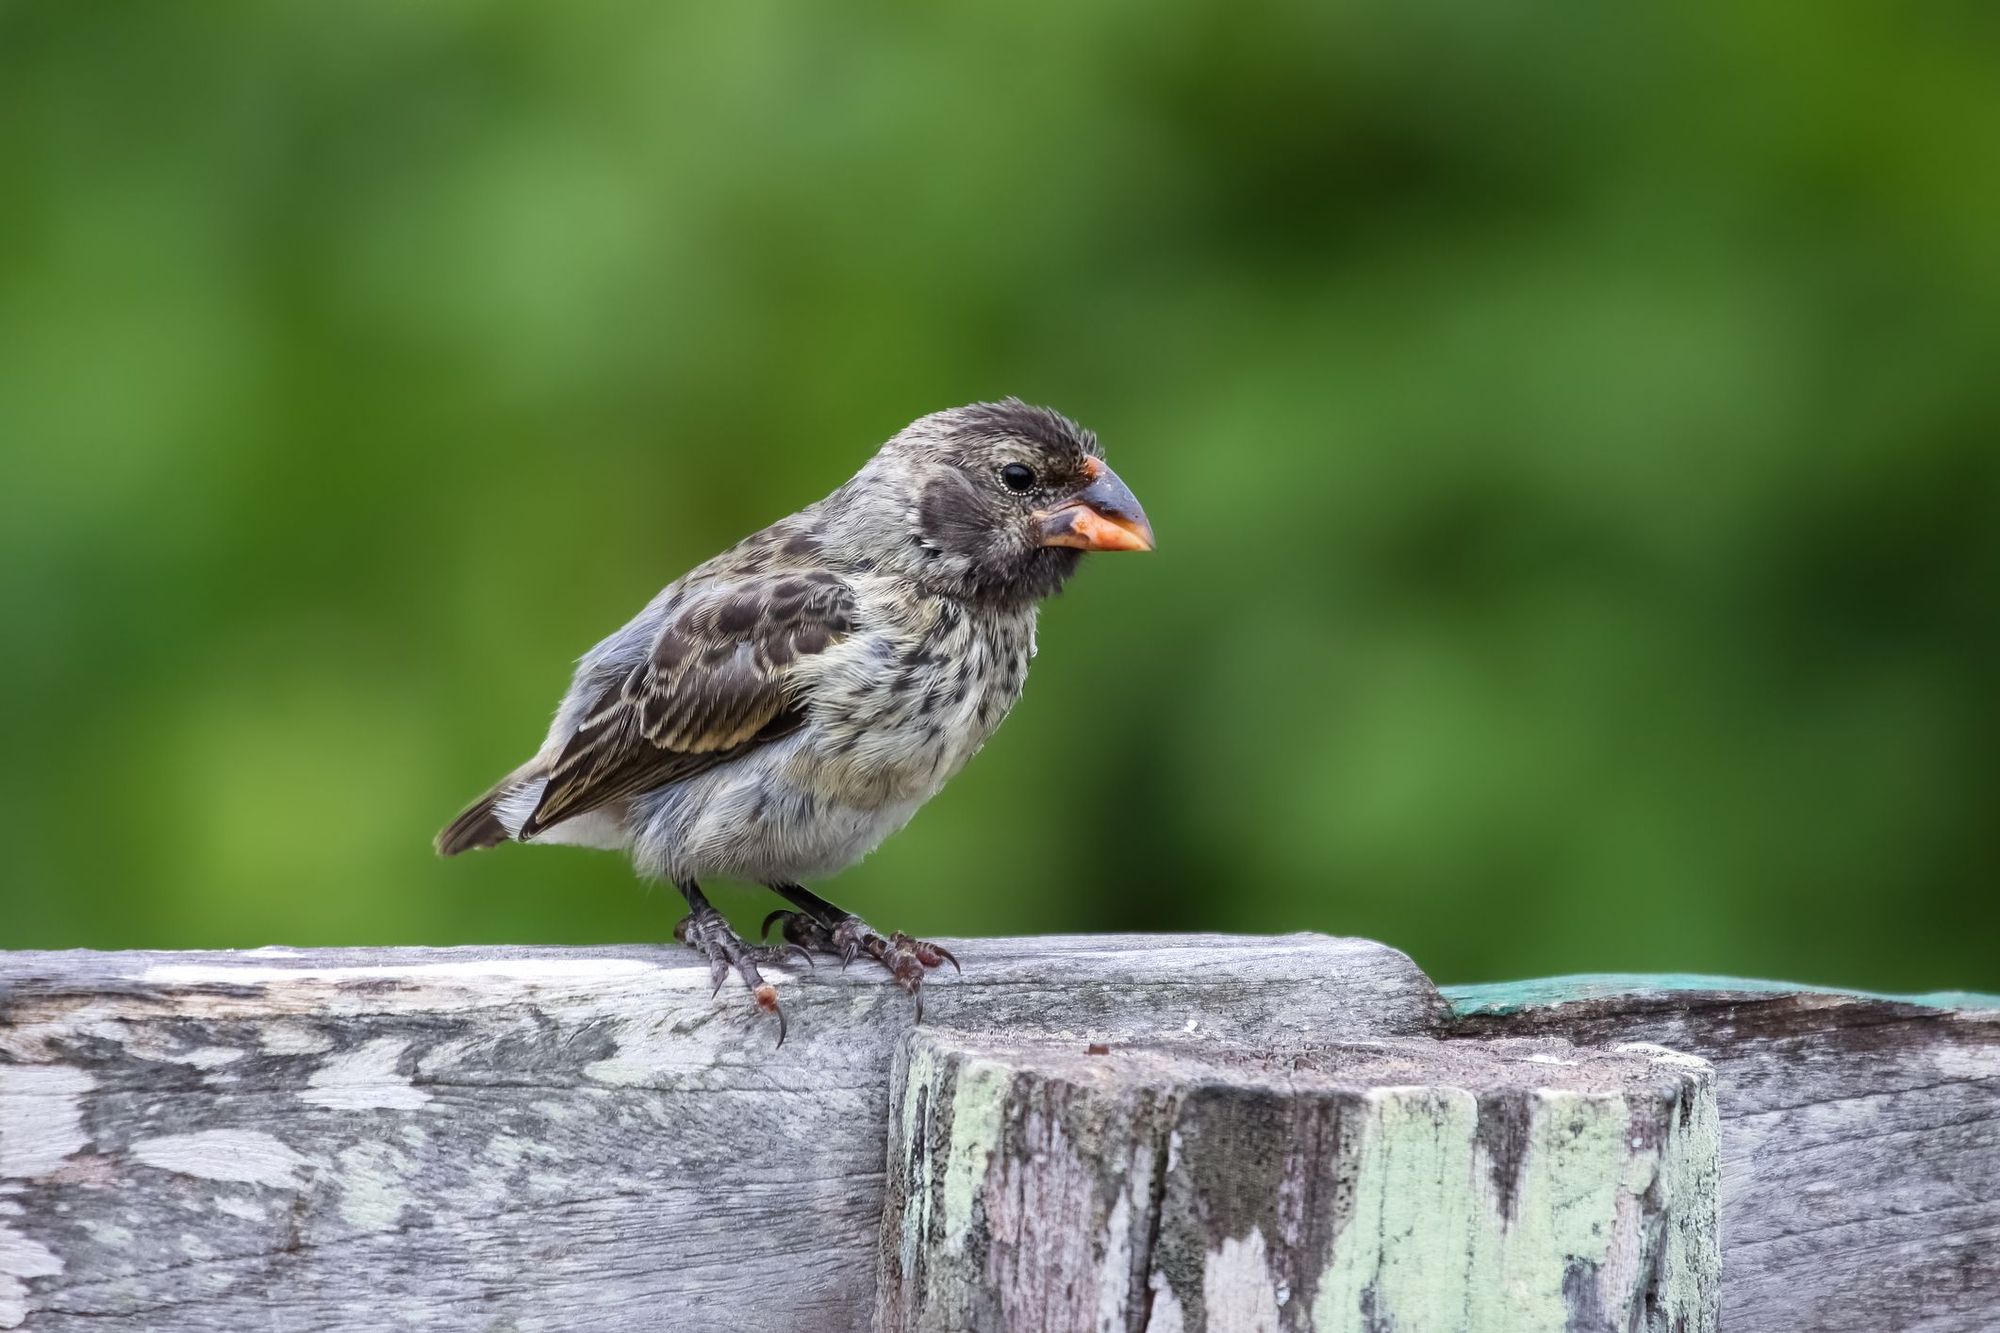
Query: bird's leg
(819, 925)
(709, 934)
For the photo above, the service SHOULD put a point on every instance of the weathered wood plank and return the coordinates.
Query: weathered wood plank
(1860, 1138)
(530, 1139)
(1504, 1187)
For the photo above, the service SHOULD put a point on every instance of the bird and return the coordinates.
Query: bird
(775, 713)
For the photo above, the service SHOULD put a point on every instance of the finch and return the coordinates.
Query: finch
(775, 713)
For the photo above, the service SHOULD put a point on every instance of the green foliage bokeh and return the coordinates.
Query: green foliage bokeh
(1571, 432)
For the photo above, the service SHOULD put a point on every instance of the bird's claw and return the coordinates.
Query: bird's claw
(931, 955)
(908, 960)
(785, 953)
(801, 934)
(709, 934)
(766, 996)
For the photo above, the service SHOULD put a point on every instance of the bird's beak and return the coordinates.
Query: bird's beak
(1103, 516)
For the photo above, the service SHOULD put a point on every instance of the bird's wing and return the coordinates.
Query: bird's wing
(723, 677)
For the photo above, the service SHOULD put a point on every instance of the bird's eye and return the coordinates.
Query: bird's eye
(1017, 477)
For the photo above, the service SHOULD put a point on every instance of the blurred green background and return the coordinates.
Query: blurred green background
(1573, 433)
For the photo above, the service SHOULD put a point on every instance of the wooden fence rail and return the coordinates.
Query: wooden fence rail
(1120, 1133)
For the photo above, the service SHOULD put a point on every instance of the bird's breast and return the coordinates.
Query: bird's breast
(906, 708)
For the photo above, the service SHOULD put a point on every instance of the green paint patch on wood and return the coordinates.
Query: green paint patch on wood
(977, 1107)
(1444, 1253)
(1508, 997)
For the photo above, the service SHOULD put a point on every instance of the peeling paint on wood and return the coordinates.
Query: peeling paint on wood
(365, 1079)
(529, 1139)
(1406, 1185)
(244, 1156)
(44, 1124)
(20, 1259)
(1506, 997)
(1860, 1138)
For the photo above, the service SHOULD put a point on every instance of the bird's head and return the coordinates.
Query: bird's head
(993, 500)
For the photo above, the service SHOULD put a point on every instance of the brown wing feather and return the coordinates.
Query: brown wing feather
(720, 681)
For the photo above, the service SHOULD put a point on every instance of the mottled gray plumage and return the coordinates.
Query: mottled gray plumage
(778, 711)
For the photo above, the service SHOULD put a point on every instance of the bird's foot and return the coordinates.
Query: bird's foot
(907, 960)
(709, 934)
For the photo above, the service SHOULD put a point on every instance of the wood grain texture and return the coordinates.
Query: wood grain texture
(1500, 1187)
(1860, 1139)
(530, 1139)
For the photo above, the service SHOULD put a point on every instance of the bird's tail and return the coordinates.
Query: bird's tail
(480, 824)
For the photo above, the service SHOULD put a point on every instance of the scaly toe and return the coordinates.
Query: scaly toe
(852, 936)
(709, 934)
(905, 961)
